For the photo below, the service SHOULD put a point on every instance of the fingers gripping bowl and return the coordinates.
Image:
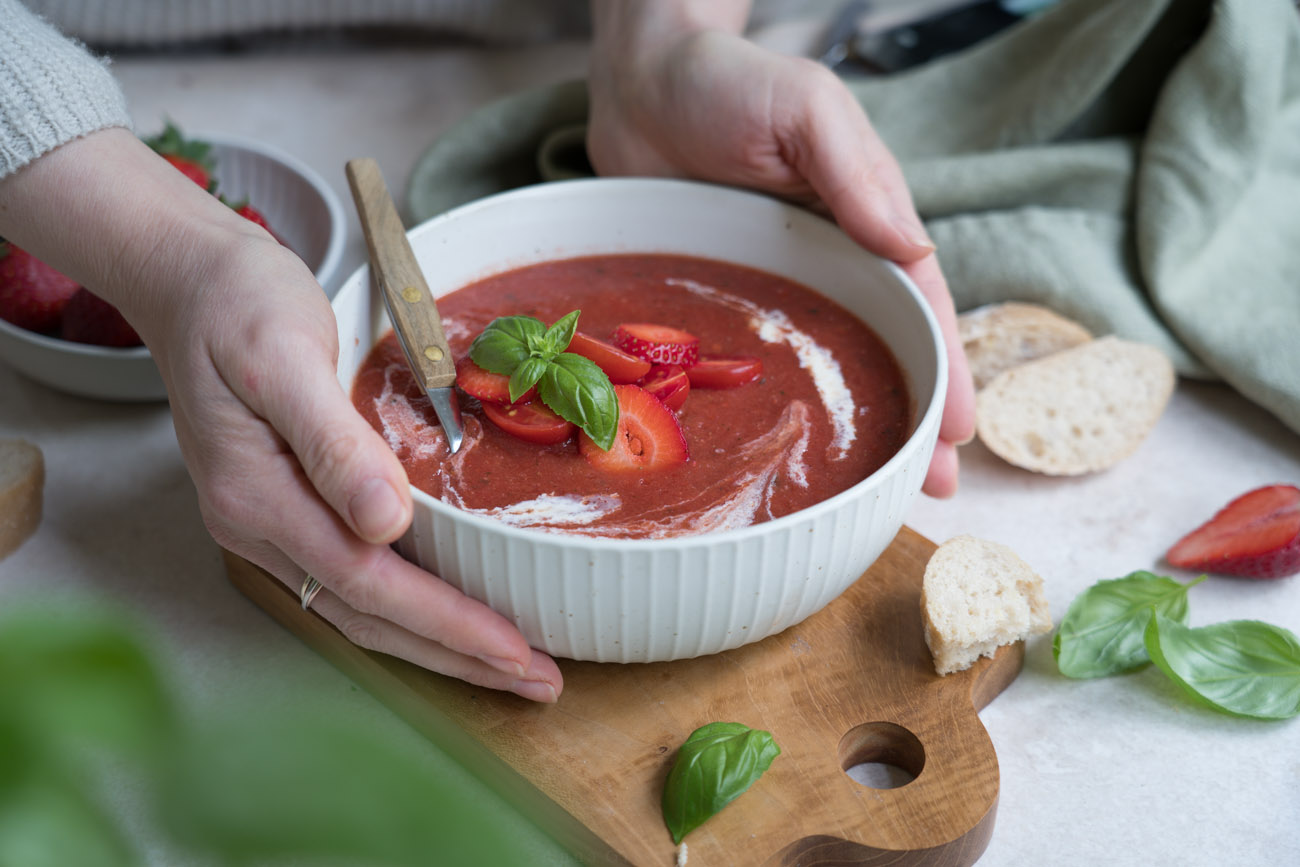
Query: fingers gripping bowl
(646, 600)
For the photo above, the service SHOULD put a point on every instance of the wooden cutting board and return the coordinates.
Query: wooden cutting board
(852, 684)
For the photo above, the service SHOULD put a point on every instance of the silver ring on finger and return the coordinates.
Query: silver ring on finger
(310, 587)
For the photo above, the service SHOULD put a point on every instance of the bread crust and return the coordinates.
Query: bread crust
(22, 485)
(997, 337)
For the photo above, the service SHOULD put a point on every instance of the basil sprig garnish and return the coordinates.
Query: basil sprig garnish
(1101, 633)
(574, 387)
(715, 765)
(1242, 667)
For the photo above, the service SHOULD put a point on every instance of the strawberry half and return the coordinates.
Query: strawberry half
(32, 294)
(1257, 535)
(487, 386)
(658, 344)
(648, 438)
(193, 158)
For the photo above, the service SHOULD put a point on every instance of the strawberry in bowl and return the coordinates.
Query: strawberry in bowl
(61, 335)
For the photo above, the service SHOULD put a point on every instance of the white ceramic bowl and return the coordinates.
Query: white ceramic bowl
(652, 600)
(297, 203)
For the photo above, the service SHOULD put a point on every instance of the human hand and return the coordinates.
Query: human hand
(671, 99)
(288, 474)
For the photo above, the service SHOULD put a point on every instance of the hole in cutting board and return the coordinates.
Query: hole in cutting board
(881, 755)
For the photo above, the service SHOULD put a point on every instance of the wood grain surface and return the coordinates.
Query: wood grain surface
(852, 684)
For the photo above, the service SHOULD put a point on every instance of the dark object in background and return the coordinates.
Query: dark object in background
(866, 39)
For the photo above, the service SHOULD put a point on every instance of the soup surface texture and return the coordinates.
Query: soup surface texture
(830, 408)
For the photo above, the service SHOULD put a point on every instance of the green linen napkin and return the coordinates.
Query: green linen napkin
(1133, 164)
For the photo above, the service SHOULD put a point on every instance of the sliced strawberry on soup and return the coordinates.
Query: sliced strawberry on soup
(725, 371)
(649, 436)
(659, 344)
(619, 366)
(1257, 535)
(487, 386)
(534, 422)
(669, 383)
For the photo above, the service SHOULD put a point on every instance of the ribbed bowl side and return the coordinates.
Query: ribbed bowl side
(294, 208)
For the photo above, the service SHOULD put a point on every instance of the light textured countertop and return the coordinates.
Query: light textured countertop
(1116, 771)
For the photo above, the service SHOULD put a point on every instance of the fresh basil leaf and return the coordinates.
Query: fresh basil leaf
(1101, 633)
(580, 392)
(526, 376)
(1241, 667)
(560, 334)
(506, 343)
(715, 765)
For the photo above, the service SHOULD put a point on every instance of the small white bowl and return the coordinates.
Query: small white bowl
(645, 600)
(302, 209)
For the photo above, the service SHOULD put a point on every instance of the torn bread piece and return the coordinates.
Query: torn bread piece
(1075, 411)
(977, 596)
(22, 485)
(997, 337)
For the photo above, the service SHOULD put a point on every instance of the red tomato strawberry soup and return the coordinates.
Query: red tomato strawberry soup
(829, 408)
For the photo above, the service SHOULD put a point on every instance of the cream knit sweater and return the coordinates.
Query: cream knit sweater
(51, 89)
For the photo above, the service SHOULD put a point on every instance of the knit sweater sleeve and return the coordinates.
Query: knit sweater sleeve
(52, 89)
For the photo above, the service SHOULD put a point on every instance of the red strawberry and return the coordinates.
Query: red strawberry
(192, 158)
(1257, 535)
(658, 344)
(190, 169)
(667, 382)
(32, 294)
(725, 371)
(618, 365)
(648, 438)
(248, 212)
(90, 319)
(532, 421)
(487, 386)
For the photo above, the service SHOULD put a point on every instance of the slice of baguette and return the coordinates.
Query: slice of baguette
(977, 596)
(997, 337)
(22, 483)
(1075, 411)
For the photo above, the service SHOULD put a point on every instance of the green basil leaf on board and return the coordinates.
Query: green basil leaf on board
(580, 392)
(506, 343)
(1241, 667)
(715, 765)
(1102, 631)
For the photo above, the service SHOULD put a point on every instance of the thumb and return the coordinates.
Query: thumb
(349, 464)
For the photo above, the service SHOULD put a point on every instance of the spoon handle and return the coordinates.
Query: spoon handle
(406, 294)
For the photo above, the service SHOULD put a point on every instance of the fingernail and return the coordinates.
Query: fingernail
(509, 666)
(376, 510)
(911, 228)
(537, 690)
